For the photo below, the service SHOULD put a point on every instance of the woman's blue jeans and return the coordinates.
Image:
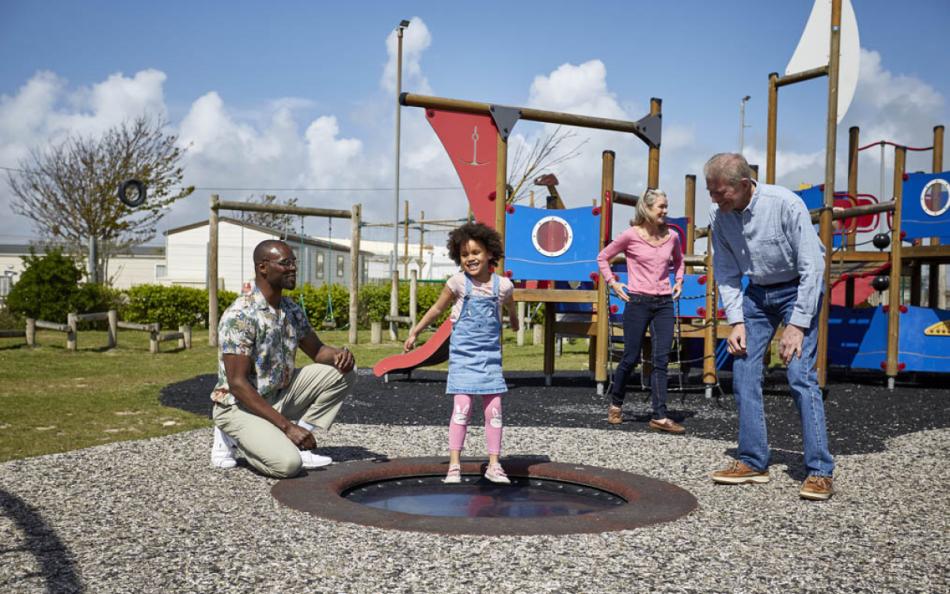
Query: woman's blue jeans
(763, 309)
(641, 312)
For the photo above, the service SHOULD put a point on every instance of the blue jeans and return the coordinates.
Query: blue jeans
(642, 312)
(764, 308)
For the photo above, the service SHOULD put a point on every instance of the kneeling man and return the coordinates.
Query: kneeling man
(262, 405)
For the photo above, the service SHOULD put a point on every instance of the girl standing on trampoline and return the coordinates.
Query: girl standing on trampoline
(651, 249)
(476, 295)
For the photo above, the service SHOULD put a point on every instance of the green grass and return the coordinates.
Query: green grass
(53, 400)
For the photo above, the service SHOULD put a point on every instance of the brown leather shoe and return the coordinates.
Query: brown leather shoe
(817, 488)
(668, 425)
(614, 415)
(737, 473)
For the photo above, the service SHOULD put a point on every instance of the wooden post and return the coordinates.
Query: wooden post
(825, 222)
(30, 332)
(71, 334)
(854, 135)
(549, 333)
(376, 332)
(894, 290)
(653, 167)
(936, 290)
(212, 280)
(153, 339)
(355, 271)
(413, 290)
(521, 326)
(537, 334)
(603, 303)
(394, 306)
(772, 126)
(185, 341)
(405, 241)
(113, 328)
(501, 193)
(690, 191)
(710, 322)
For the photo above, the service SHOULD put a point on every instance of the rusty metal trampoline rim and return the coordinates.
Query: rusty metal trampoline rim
(649, 501)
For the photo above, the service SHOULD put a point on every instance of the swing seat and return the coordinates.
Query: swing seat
(329, 324)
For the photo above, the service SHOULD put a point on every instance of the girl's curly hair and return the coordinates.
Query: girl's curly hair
(479, 232)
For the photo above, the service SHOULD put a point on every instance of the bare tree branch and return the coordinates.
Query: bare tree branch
(546, 153)
(271, 220)
(70, 190)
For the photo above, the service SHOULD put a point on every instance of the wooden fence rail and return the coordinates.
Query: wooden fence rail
(183, 336)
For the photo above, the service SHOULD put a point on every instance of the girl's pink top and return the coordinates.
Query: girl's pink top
(648, 266)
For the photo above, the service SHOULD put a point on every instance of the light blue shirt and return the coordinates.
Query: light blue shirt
(771, 241)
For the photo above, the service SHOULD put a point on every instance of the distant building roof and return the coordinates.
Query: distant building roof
(142, 251)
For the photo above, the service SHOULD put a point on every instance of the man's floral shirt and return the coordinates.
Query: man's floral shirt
(253, 328)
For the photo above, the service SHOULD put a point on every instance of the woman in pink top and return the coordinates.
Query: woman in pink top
(651, 250)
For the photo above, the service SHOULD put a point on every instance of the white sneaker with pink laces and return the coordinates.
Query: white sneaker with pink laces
(496, 474)
(454, 475)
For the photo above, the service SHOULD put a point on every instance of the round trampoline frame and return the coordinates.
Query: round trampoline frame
(648, 501)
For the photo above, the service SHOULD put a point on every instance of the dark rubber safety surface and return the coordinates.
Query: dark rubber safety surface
(861, 412)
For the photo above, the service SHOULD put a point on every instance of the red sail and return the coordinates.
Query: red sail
(472, 144)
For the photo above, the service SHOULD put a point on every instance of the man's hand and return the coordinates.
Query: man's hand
(736, 344)
(410, 343)
(791, 343)
(302, 438)
(344, 360)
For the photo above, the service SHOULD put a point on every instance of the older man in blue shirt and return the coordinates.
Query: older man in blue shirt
(765, 233)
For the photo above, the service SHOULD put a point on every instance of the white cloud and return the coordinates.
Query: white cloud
(416, 40)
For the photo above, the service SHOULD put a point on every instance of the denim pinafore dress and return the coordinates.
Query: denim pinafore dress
(475, 345)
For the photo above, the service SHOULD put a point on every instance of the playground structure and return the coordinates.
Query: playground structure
(354, 214)
(564, 237)
(475, 135)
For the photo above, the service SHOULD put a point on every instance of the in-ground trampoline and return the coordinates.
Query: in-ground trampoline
(544, 497)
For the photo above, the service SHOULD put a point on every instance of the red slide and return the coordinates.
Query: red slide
(434, 351)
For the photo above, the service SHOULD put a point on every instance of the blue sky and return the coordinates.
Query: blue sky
(296, 94)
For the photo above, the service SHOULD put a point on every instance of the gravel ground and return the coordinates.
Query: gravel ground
(151, 516)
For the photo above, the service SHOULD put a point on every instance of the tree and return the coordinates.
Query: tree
(271, 220)
(546, 152)
(70, 191)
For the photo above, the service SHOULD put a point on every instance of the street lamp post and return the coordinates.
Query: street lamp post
(399, 32)
(742, 125)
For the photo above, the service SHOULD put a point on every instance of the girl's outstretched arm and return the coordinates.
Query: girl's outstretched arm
(445, 298)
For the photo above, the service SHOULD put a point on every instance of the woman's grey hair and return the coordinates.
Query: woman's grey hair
(731, 168)
(644, 204)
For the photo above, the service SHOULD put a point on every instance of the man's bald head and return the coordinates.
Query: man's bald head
(265, 248)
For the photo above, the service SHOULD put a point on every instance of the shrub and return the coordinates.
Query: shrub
(47, 288)
(316, 304)
(171, 306)
(10, 320)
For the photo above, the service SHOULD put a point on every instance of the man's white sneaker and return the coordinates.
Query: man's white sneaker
(222, 451)
(311, 459)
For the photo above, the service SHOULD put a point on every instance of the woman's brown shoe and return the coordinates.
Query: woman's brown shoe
(668, 425)
(614, 415)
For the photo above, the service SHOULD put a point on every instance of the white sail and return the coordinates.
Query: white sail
(814, 49)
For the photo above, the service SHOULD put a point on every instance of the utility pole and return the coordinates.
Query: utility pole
(399, 33)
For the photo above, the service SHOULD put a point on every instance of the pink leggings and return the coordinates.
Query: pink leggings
(462, 412)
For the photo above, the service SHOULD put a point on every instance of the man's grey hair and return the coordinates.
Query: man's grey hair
(731, 168)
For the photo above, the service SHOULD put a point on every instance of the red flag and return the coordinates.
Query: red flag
(471, 141)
